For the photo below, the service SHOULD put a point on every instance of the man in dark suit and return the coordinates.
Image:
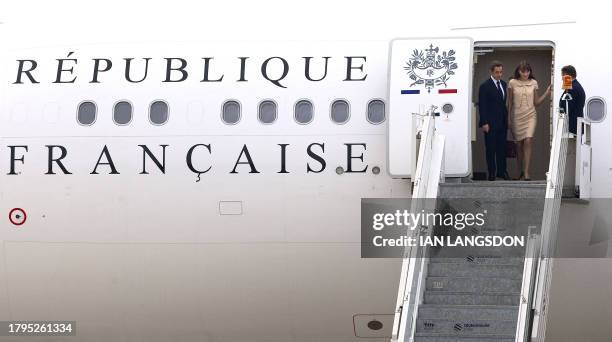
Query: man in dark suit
(494, 120)
(576, 105)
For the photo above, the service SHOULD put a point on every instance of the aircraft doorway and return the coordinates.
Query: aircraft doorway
(541, 58)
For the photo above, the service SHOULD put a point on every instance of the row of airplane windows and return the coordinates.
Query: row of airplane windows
(231, 112)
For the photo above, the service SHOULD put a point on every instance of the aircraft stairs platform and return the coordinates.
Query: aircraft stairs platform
(468, 294)
(475, 297)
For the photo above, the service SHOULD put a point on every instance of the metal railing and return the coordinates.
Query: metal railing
(537, 272)
(428, 174)
(532, 255)
(582, 179)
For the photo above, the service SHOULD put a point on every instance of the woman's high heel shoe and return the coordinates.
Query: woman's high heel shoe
(521, 177)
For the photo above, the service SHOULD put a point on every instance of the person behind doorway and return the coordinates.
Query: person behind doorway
(522, 102)
(493, 120)
(576, 105)
(575, 108)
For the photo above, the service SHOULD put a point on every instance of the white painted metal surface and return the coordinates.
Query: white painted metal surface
(527, 286)
(550, 220)
(424, 72)
(290, 262)
(429, 173)
(583, 158)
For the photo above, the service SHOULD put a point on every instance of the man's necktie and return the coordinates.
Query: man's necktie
(499, 89)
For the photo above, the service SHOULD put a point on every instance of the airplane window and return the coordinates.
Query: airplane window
(86, 114)
(122, 113)
(340, 111)
(376, 111)
(267, 111)
(596, 109)
(158, 112)
(304, 112)
(231, 112)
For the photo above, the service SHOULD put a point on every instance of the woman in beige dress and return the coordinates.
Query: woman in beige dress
(522, 102)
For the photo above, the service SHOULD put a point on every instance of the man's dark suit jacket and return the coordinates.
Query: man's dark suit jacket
(492, 106)
(576, 106)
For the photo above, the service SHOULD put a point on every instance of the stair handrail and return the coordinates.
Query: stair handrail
(428, 173)
(537, 294)
(532, 255)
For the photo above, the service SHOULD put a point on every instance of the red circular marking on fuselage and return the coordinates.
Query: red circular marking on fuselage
(18, 223)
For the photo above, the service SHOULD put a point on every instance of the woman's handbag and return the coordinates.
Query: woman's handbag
(511, 151)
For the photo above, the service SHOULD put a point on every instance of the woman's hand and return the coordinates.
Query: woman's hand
(537, 100)
(548, 90)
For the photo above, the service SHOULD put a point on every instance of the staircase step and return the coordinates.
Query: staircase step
(439, 269)
(466, 327)
(429, 337)
(496, 222)
(479, 260)
(474, 253)
(472, 293)
(499, 213)
(473, 284)
(492, 227)
(467, 298)
(466, 312)
(493, 190)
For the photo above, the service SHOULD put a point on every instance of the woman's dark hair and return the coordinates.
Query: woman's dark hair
(523, 66)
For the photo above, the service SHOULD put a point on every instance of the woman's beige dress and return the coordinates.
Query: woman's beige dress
(524, 116)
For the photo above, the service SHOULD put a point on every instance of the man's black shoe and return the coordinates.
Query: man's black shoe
(491, 178)
(506, 176)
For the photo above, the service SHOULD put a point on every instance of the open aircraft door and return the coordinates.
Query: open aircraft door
(583, 159)
(426, 72)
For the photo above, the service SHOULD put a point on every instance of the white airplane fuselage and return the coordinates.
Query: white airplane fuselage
(244, 231)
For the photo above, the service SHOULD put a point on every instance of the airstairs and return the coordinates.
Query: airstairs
(483, 295)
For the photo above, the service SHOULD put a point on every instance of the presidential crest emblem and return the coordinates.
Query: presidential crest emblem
(430, 68)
